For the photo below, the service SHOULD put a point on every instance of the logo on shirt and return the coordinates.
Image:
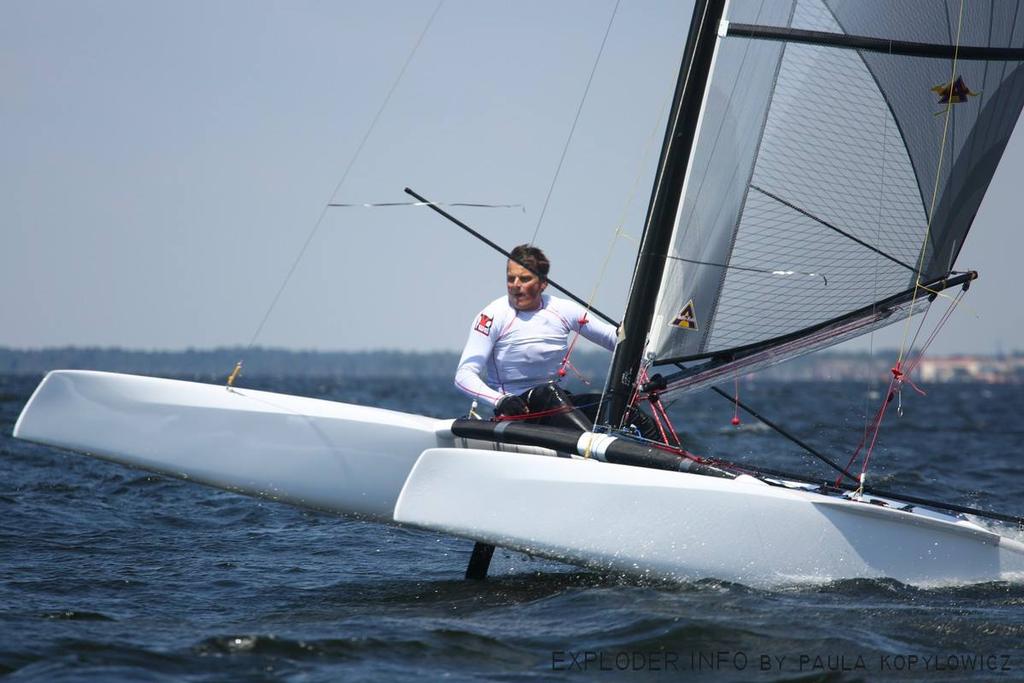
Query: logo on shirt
(483, 325)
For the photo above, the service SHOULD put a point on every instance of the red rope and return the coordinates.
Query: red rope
(878, 426)
(657, 410)
(900, 376)
(874, 425)
(736, 407)
(657, 405)
(661, 429)
(535, 414)
(568, 352)
(635, 397)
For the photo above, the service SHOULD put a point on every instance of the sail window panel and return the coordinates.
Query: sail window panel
(979, 127)
(755, 306)
(852, 145)
(862, 175)
(977, 132)
(832, 148)
(814, 15)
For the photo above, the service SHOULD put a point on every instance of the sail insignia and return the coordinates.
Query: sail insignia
(687, 318)
(953, 92)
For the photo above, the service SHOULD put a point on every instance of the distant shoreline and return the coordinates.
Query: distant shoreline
(218, 362)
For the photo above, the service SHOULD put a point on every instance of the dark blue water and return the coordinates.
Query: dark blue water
(109, 574)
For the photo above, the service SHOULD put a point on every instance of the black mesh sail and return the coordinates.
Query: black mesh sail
(843, 152)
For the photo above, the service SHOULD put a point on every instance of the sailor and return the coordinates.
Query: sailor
(517, 344)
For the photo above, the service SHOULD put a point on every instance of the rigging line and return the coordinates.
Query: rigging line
(619, 232)
(940, 292)
(841, 325)
(903, 497)
(900, 375)
(579, 110)
(913, 363)
(895, 389)
(920, 327)
(588, 306)
(751, 411)
(778, 429)
(344, 176)
(832, 227)
(629, 200)
(688, 107)
(782, 432)
(935, 188)
(878, 234)
(507, 255)
(608, 319)
(749, 269)
(374, 205)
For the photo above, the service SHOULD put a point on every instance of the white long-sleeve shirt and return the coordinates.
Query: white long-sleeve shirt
(510, 351)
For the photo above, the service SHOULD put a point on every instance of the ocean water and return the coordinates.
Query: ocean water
(111, 574)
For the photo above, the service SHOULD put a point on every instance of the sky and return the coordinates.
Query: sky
(162, 164)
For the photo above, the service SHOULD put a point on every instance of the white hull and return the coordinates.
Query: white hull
(395, 467)
(309, 452)
(684, 526)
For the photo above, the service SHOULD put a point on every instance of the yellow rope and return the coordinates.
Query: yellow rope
(946, 295)
(935, 189)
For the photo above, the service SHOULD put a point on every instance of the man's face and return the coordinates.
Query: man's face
(524, 287)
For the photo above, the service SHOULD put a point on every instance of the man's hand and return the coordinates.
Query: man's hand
(510, 404)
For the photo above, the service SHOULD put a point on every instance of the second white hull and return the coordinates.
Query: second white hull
(314, 453)
(680, 526)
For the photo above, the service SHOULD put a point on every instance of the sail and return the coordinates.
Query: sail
(827, 178)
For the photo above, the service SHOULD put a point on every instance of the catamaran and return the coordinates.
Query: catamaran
(822, 166)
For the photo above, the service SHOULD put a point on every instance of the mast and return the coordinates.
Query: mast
(661, 213)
